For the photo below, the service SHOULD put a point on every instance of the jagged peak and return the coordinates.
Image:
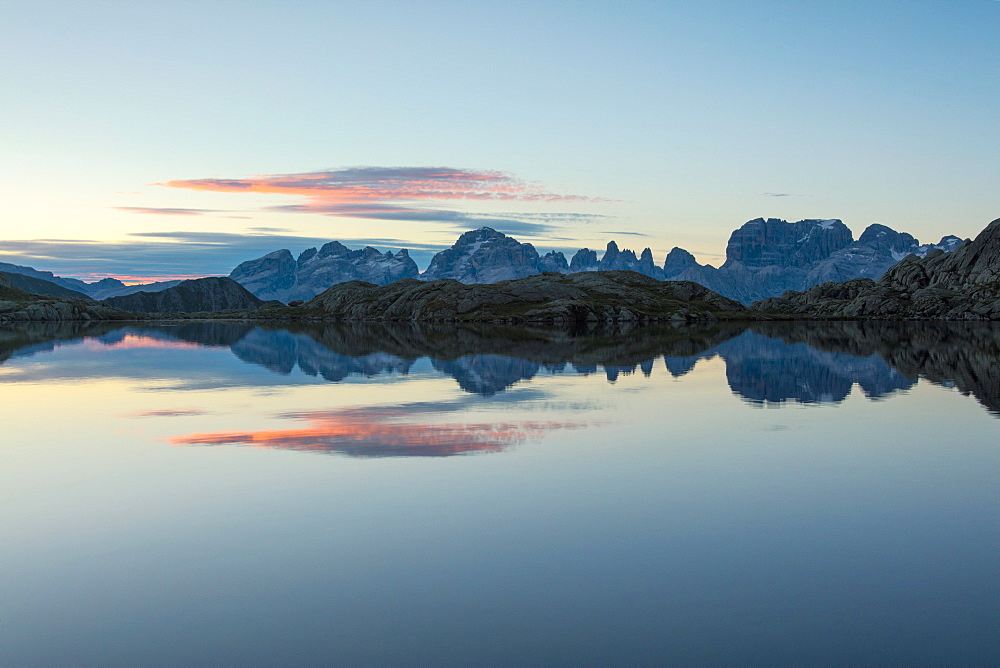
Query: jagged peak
(482, 234)
(333, 248)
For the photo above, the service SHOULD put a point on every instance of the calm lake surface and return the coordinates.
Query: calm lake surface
(216, 493)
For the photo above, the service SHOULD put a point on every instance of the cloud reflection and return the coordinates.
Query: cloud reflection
(390, 431)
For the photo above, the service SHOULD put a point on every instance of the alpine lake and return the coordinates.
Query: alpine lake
(228, 493)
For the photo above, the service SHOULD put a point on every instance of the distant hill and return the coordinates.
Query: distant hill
(70, 283)
(41, 287)
(192, 296)
(112, 287)
(102, 289)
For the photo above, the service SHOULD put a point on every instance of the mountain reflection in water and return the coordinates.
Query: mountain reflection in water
(766, 363)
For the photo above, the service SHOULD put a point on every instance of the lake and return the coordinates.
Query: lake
(771, 493)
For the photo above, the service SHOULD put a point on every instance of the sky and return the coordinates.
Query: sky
(156, 140)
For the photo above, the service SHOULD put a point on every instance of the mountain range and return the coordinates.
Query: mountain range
(764, 258)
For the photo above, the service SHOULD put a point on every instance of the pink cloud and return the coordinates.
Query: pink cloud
(347, 188)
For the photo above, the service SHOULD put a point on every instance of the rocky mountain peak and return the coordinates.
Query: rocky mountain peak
(774, 242)
(484, 256)
(480, 235)
(678, 260)
(333, 249)
(107, 283)
(554, 261)
(882, 237)
(584, 260)
(277, 276)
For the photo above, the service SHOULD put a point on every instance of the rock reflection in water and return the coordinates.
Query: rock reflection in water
(765, 362)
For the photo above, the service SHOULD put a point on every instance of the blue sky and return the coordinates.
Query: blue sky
(564, 124)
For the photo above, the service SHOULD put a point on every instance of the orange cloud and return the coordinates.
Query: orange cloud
(384, 432)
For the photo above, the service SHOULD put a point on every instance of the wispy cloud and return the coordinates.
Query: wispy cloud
(163, 211)
(779, 195)
(631, 234)
(381, 184)
(170, 412)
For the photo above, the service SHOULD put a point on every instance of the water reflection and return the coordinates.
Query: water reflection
(386, 431)
(766, 363)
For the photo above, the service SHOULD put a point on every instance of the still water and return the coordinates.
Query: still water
(213, 493)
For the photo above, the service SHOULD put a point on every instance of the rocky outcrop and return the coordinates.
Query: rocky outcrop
(961, 285)
(194, 296)
(279, 276)
(550, 297)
